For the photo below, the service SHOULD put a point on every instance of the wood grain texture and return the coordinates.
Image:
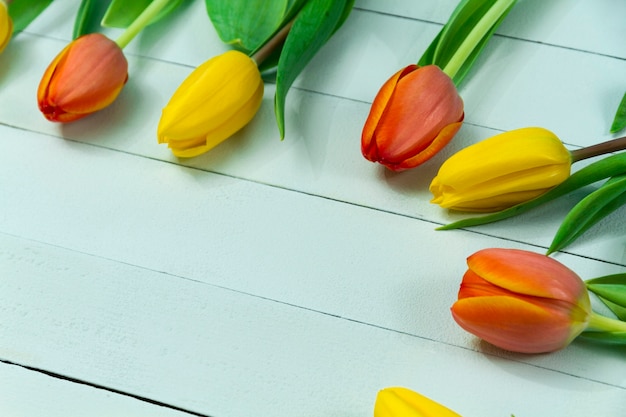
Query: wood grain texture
(287, 278)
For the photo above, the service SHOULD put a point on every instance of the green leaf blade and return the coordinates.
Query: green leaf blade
(619, 121)
(589, 211)
(23, 12)
(468, 30)
(315, 24)
(247, 24)
(89, 16)
(122, 13)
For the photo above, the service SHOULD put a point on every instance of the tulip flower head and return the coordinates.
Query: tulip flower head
(521, 301)
(402, 402)
(414, 115)
(217, 99)
(6, 26)
(502, 171)
(86, 76)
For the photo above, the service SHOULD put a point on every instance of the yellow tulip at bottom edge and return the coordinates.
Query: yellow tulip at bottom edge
(402, 402)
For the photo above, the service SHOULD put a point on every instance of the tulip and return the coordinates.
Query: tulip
(6, 26)
(502, 171)
(414, 115)
(217, 99)
(86, 76)
(402, 402)
(522, 301)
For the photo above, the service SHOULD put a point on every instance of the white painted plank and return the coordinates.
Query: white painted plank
(354, 262)
(225, 353)
(588, 25)
(27, 393)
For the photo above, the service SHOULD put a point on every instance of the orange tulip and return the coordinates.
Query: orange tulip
(414, 115)
(521, 301)
(86, 76)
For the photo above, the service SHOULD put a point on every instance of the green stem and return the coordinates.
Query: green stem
(599, 149)
(475, 36)
(140, 22)
(606, 324)
(267, 49)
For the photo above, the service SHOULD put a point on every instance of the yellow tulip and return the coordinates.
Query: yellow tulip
(217, 99)
(402, 402)
(6, 26)
(502, 171)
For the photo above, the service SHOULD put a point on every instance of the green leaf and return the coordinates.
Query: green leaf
(616, 338)
(604, 168)
(121, 13)
(617, 309)
(619, 122)
(464, 36)
(610, 287)
(247, 24)
(88, 17)
(23, 12)
(314, 25)
(590, 210)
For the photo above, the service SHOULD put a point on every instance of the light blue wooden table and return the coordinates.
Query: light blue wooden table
(291, 278)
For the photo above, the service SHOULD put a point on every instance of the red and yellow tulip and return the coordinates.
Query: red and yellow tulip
(86, 76)
(521, 301)
(218, 98)
(414, 115)
(402, 402)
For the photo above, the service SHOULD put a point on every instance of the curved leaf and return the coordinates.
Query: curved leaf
(611, 288)
(121, 13)
(247, 23)
(88, 17)
(314, 25)
(619, 121)
(604, 168)
(465, 34)
(590, 210)
(23, 12)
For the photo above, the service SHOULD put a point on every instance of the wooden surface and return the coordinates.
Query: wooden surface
(291, 278)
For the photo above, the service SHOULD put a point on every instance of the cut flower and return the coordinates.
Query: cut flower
(414, 115)
(86, 76)
(216, 100)
(502, 171)
(522, 301)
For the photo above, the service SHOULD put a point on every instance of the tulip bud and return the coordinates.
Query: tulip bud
(6, 26)
(502, 171)
(217, 99)
(521, 301)
(414, 115)
(86, 76)
(402, 402)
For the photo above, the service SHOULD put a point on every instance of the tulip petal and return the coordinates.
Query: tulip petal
(424, 102)
(398, 401)
(212, 93)
(515, 324)
(368, 144)
(527, 273)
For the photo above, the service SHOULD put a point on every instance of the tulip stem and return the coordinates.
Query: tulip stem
(140, 22)
(479, 31)
(599, 149)
(605, 324)
(266, 50)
